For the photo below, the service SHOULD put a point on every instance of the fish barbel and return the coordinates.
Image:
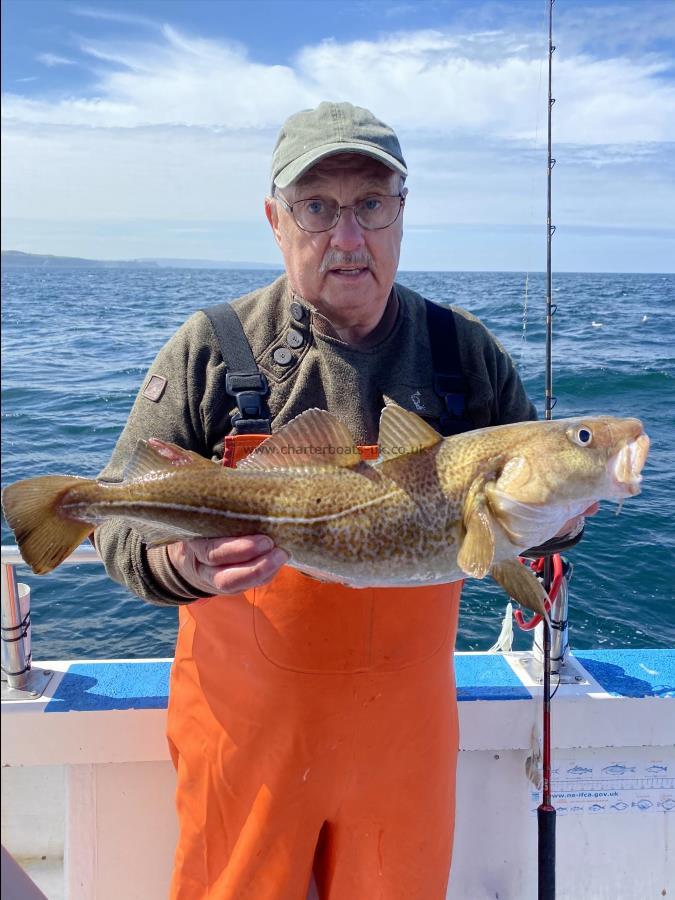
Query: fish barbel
(431, 510)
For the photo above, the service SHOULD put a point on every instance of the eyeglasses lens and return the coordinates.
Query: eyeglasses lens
(372, 213)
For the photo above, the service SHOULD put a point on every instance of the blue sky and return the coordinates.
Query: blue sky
(135, 129)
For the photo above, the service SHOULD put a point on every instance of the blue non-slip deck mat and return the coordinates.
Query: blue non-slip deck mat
(487, 677)
(145, 685)
(114, 685)
(631, 673)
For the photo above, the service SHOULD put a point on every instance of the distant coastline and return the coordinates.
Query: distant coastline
(17, 259)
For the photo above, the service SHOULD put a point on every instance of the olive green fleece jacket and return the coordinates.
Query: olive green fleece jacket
(314, 369)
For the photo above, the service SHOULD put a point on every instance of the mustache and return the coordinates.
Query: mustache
(335, 259)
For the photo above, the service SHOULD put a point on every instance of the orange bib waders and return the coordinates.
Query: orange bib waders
(315, 726)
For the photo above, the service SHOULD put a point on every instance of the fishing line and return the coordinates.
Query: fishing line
(558, 683)
(531, 217)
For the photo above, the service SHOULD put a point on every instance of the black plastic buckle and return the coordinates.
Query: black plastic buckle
(248, 391)
(250, 426)
(236, 382)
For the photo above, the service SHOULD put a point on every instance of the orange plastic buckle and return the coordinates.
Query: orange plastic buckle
(238, 447)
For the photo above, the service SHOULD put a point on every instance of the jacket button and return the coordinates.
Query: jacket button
(297, 312)
(294, 339)
(283, 356)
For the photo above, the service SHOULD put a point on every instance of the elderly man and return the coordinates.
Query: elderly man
(313, 727)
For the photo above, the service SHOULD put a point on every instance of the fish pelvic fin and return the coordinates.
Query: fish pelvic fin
(314, 438)
(478, 547)
(402, 432)
(45, 537)
(522, 584)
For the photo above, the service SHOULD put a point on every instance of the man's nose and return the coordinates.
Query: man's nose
(347, 234)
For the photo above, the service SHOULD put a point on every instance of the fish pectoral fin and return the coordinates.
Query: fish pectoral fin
(402, 432)
(520, 582)
(178, 456)
(314, 438)
(159, 456)
(478, 547)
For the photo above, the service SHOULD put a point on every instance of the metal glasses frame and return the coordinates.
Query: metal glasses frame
(289, 208)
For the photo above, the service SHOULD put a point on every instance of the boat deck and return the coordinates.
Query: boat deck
(88, 784)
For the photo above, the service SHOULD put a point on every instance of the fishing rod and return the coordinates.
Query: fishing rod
(546, 811)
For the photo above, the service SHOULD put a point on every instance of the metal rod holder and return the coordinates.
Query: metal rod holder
(20, 681)
(563, 666)
(560, 646)
(15, 633)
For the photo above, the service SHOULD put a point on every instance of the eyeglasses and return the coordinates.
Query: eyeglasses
(319, 214)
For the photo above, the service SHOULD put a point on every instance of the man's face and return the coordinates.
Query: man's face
(347, 273)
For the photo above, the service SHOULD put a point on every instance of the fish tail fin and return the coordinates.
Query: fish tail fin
(44, 536)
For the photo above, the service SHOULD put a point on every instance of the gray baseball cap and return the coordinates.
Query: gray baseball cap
(313, 134)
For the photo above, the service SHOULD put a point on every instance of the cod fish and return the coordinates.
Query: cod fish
(429, 511)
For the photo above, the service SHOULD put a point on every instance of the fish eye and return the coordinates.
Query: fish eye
(582, 436)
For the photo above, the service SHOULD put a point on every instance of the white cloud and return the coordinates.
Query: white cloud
(487, 83)
(109, 15)
(492, 84)
(51, 60)
(181, 128)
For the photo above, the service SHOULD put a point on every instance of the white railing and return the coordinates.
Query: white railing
(16, 656)
(16, 662)
(85, 553)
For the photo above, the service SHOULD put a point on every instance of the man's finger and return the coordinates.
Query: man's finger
(230, 551)
(232, 579)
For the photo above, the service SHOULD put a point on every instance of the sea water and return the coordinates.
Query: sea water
(77, 343)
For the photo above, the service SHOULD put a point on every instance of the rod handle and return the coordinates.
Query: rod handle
(546, 855)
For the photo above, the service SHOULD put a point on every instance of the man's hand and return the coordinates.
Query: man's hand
(227, 565)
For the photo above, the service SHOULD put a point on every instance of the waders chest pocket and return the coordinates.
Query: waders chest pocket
(311, 626)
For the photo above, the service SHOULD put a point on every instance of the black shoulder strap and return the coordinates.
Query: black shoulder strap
(243, 381)
(449, 382)
(248, 385)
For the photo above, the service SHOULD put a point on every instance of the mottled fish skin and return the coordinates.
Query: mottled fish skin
(349, 524)
(429, 511)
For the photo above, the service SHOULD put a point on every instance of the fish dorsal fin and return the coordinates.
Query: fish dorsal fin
(314, 438)
(402, 432)
(160, 456)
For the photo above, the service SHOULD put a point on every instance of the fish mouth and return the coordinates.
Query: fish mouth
(626, 467)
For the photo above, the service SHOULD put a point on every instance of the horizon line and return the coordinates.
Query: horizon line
(271, 267)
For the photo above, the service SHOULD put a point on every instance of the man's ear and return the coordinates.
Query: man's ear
(272, 213)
